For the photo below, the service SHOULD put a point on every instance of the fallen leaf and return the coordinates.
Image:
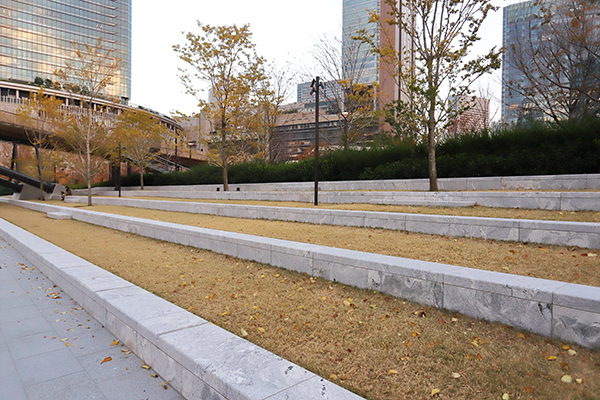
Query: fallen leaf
(521, 335)
(564, 366)
(333, 377)
(261, 330)
(551, 358)
(579, 380)
(154, 375)
(107, 359)
(164, 385)
(393, 372)
(114, 343)
(145, 366)
(566, 347)
(566, 379)
(572, 352)
(455, 375)
(505, 396)
(244, 333)
(434, 392)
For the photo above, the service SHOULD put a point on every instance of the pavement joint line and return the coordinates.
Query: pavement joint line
(560, 310)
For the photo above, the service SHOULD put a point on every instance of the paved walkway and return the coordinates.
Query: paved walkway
(50, 348)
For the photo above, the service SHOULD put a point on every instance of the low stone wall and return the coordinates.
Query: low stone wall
(535, 182)
(565, 311)
(565, 201)
(200, 360)
(579, 234)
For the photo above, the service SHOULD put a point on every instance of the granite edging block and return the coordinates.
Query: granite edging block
(316, 388)
(530, 315)
(523, 287)
(580, 297)
(231, 365)
(133, 304)
(576, 326)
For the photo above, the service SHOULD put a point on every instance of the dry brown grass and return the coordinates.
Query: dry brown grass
(356, 338)
(567, 264)
(476, 211)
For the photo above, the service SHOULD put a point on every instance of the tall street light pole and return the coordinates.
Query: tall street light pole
(315, 86)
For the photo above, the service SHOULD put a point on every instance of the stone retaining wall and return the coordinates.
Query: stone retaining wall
(565, 311)
(198, 359)
(586, 235)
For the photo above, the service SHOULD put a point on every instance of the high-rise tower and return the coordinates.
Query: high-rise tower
(356, 16)
(37, 36)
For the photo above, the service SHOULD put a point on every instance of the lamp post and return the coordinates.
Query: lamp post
(315, 86)
(191, 143)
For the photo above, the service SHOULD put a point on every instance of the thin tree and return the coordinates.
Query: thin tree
(40, 115)
(437, 69)
(344, 74)
(140, 135)
(271, 94)
(225, 58)
(87, 131)
(559, 60)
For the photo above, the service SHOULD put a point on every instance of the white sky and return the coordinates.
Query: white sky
(283, 30)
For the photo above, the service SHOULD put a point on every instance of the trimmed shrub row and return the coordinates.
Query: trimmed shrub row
(533, 150)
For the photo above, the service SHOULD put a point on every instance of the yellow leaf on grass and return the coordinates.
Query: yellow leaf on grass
(107, 359)
(261, 330)
(346, 303)
(566, 347)
(572, 352)
(551, 358)
(505, 396)
(521, 335)
(579, 380)
(566, 379)
(393, 372)
(455, 375)
(434, 392)
(333, 377)
(244, 333)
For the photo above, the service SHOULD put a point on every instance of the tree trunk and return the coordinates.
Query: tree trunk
(432, 169)
(39, 171)
(225, 178)
(89, 171)
(142, 179)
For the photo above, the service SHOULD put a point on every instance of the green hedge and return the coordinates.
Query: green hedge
(533, 150)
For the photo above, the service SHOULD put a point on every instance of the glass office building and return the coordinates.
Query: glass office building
(355, 17)
(518, 25)
(37, 36)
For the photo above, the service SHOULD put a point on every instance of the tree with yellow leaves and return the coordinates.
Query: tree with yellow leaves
(140, 135)
(225, 58)
(437, 69)
(87, 130)
(40, 115)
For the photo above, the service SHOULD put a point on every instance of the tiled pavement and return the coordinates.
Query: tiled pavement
(50, 348)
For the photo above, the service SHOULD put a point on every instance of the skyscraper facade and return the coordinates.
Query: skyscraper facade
(37, 37)
(359, 61)
(355, 17)
(518, 25)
